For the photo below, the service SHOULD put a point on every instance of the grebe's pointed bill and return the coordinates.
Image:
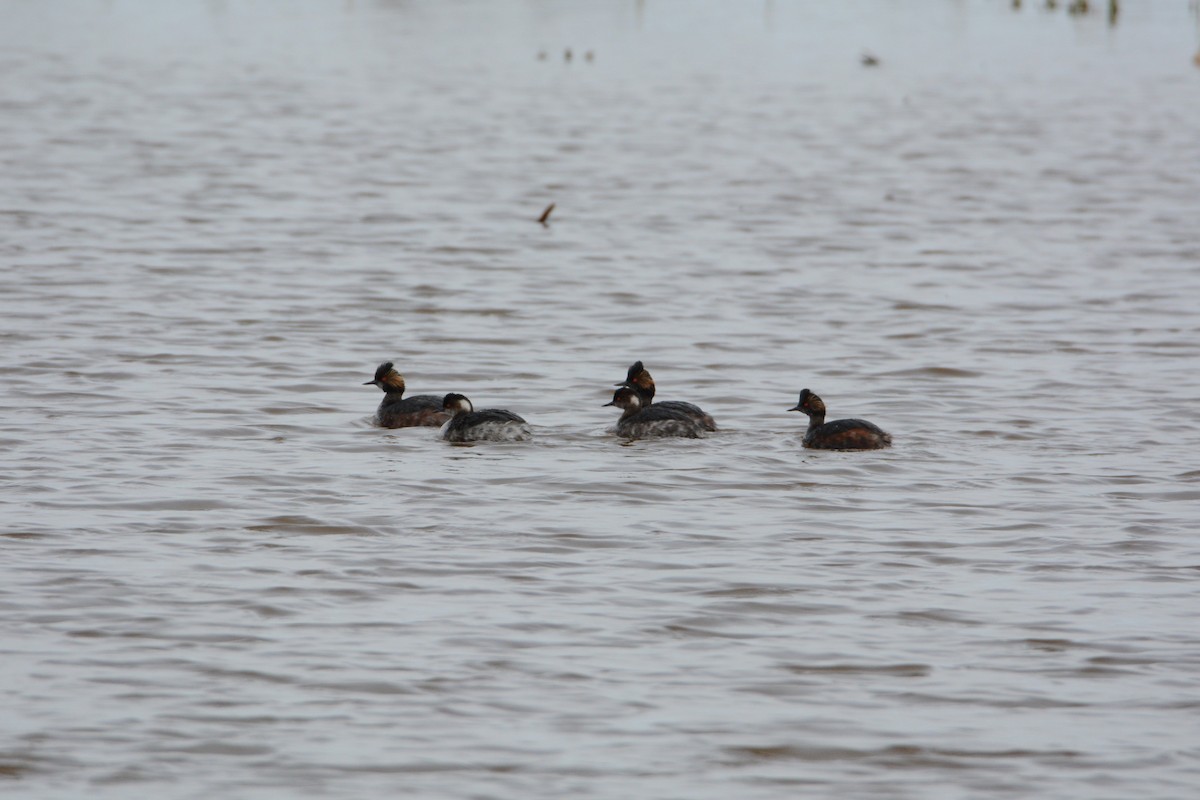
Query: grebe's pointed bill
(371, 383)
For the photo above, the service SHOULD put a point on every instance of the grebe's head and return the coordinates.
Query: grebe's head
(626, 398)
(810, 404)
(456, 404)
(387, 378)
(638, 377)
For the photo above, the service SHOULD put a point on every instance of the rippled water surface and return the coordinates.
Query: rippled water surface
(220, 580)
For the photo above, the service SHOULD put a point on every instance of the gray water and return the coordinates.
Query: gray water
(220, 580)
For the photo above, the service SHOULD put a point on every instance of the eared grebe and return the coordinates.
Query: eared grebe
(647, 422)
(638, 378)
(398, 411)
(489, 425)
(841, 434)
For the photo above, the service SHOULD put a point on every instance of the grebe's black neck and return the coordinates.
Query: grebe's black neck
(392, 392)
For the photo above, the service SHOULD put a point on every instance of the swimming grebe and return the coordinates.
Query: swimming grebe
(638, 378)
(398, 411)
(489, 425)
(647, 422)
(841, 434)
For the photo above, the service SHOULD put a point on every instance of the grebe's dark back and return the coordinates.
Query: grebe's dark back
(841, 434)
(398, 411)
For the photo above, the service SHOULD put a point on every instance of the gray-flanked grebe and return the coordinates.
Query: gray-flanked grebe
(841, 434)
(638, 378)
(398, 411)
(489, 425)
(651, 421)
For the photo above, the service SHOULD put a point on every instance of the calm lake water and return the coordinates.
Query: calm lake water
(220, 580)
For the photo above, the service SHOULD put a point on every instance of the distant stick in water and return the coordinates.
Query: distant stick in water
(545, 217)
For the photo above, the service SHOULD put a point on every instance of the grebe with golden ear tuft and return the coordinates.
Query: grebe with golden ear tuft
(398, 411)
(841, 434)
